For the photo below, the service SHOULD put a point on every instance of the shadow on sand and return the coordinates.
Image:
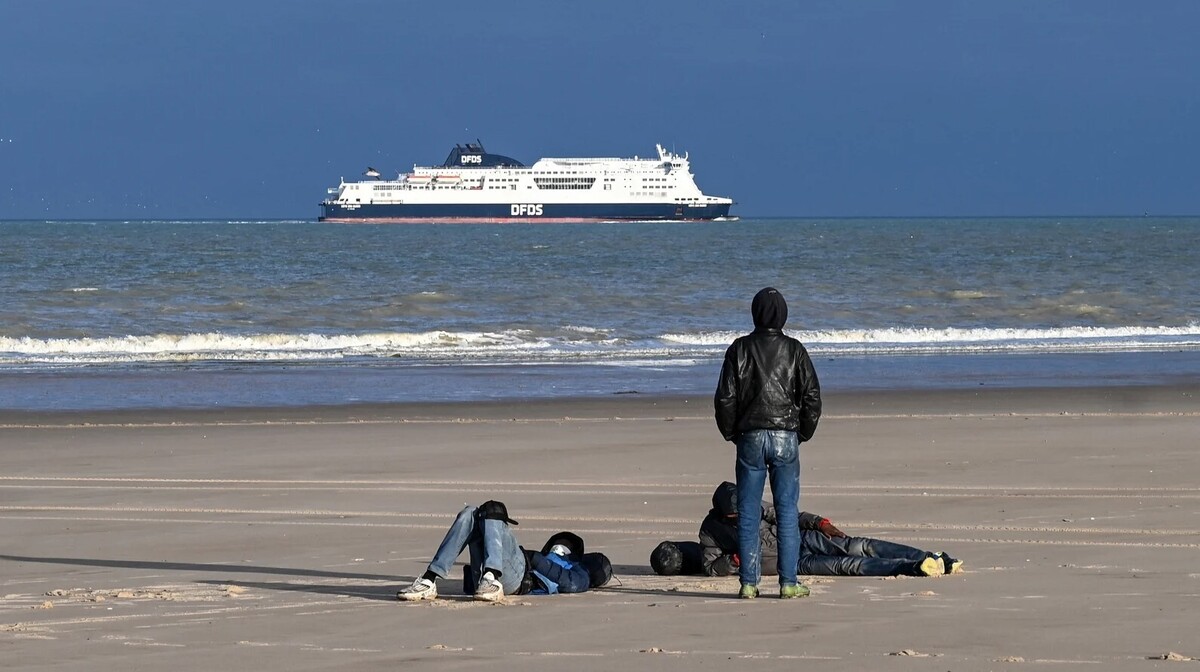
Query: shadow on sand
(203, 567)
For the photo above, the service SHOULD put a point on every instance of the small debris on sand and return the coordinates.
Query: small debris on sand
(1171, 655)
(909, 652)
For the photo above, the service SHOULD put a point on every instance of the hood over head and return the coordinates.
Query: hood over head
(666, 559)
(598, 567)
(568, 539)
(768, 309)
(725, 499)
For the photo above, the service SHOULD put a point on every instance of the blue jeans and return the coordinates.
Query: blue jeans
(855, 556)
(760, 453)
(492, 547)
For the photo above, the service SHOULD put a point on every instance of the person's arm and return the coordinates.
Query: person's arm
(715, 560)
(768, 513)
(811, 521)
(725, 400)
(571, 577)
(808, 396)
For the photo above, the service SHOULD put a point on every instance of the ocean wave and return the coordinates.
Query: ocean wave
(247, 347)
(951, 335)
(571, 344)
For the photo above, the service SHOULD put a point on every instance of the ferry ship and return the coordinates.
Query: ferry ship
(475, 186)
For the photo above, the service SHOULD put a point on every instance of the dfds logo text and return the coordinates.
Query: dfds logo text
(526, 210)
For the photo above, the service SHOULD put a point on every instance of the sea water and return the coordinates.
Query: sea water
(131, 314)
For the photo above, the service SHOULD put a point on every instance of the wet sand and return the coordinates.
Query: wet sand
(276, 538)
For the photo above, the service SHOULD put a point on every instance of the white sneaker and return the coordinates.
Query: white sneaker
(421, 589)
(489, 588)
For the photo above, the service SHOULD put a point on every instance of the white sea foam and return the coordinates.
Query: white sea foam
(250, 347)
(913, 335)
(571, 344)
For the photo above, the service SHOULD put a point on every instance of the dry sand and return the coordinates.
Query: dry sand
(276, 539)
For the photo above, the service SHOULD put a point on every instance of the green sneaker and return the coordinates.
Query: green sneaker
(791, 590)
(748, 592)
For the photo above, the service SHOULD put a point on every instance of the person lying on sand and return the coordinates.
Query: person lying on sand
(498, 566)
(824, 549)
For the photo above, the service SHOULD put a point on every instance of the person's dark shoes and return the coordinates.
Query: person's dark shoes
(790, 590)
(748, 592)
(421, 589)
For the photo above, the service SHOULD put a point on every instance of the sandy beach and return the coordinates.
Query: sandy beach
(276, 538)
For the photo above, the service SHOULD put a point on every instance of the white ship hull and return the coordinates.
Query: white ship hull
(474, 186)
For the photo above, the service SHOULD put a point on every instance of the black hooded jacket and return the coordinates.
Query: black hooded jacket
(718, 534)
(767, 380)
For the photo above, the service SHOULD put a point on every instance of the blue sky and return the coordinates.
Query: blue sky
(124, 109)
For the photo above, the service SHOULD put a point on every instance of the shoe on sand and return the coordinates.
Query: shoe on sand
(421, 589)
(952, 565)
(932, 566)
(489, 588)
(748, 592)
(790, 590)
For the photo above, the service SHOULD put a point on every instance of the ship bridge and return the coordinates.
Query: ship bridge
(473, 155)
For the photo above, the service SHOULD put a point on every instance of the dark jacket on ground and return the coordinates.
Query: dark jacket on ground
(718, 534)
(767, 382)
(568, 575)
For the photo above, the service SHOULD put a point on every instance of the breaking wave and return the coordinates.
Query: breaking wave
(570, 344)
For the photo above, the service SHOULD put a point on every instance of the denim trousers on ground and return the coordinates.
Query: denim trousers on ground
(491, 544)
(854, 556)
(763, 453)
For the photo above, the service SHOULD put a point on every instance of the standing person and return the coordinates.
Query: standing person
(768, 401)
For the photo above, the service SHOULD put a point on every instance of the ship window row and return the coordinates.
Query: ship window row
(564, 182)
